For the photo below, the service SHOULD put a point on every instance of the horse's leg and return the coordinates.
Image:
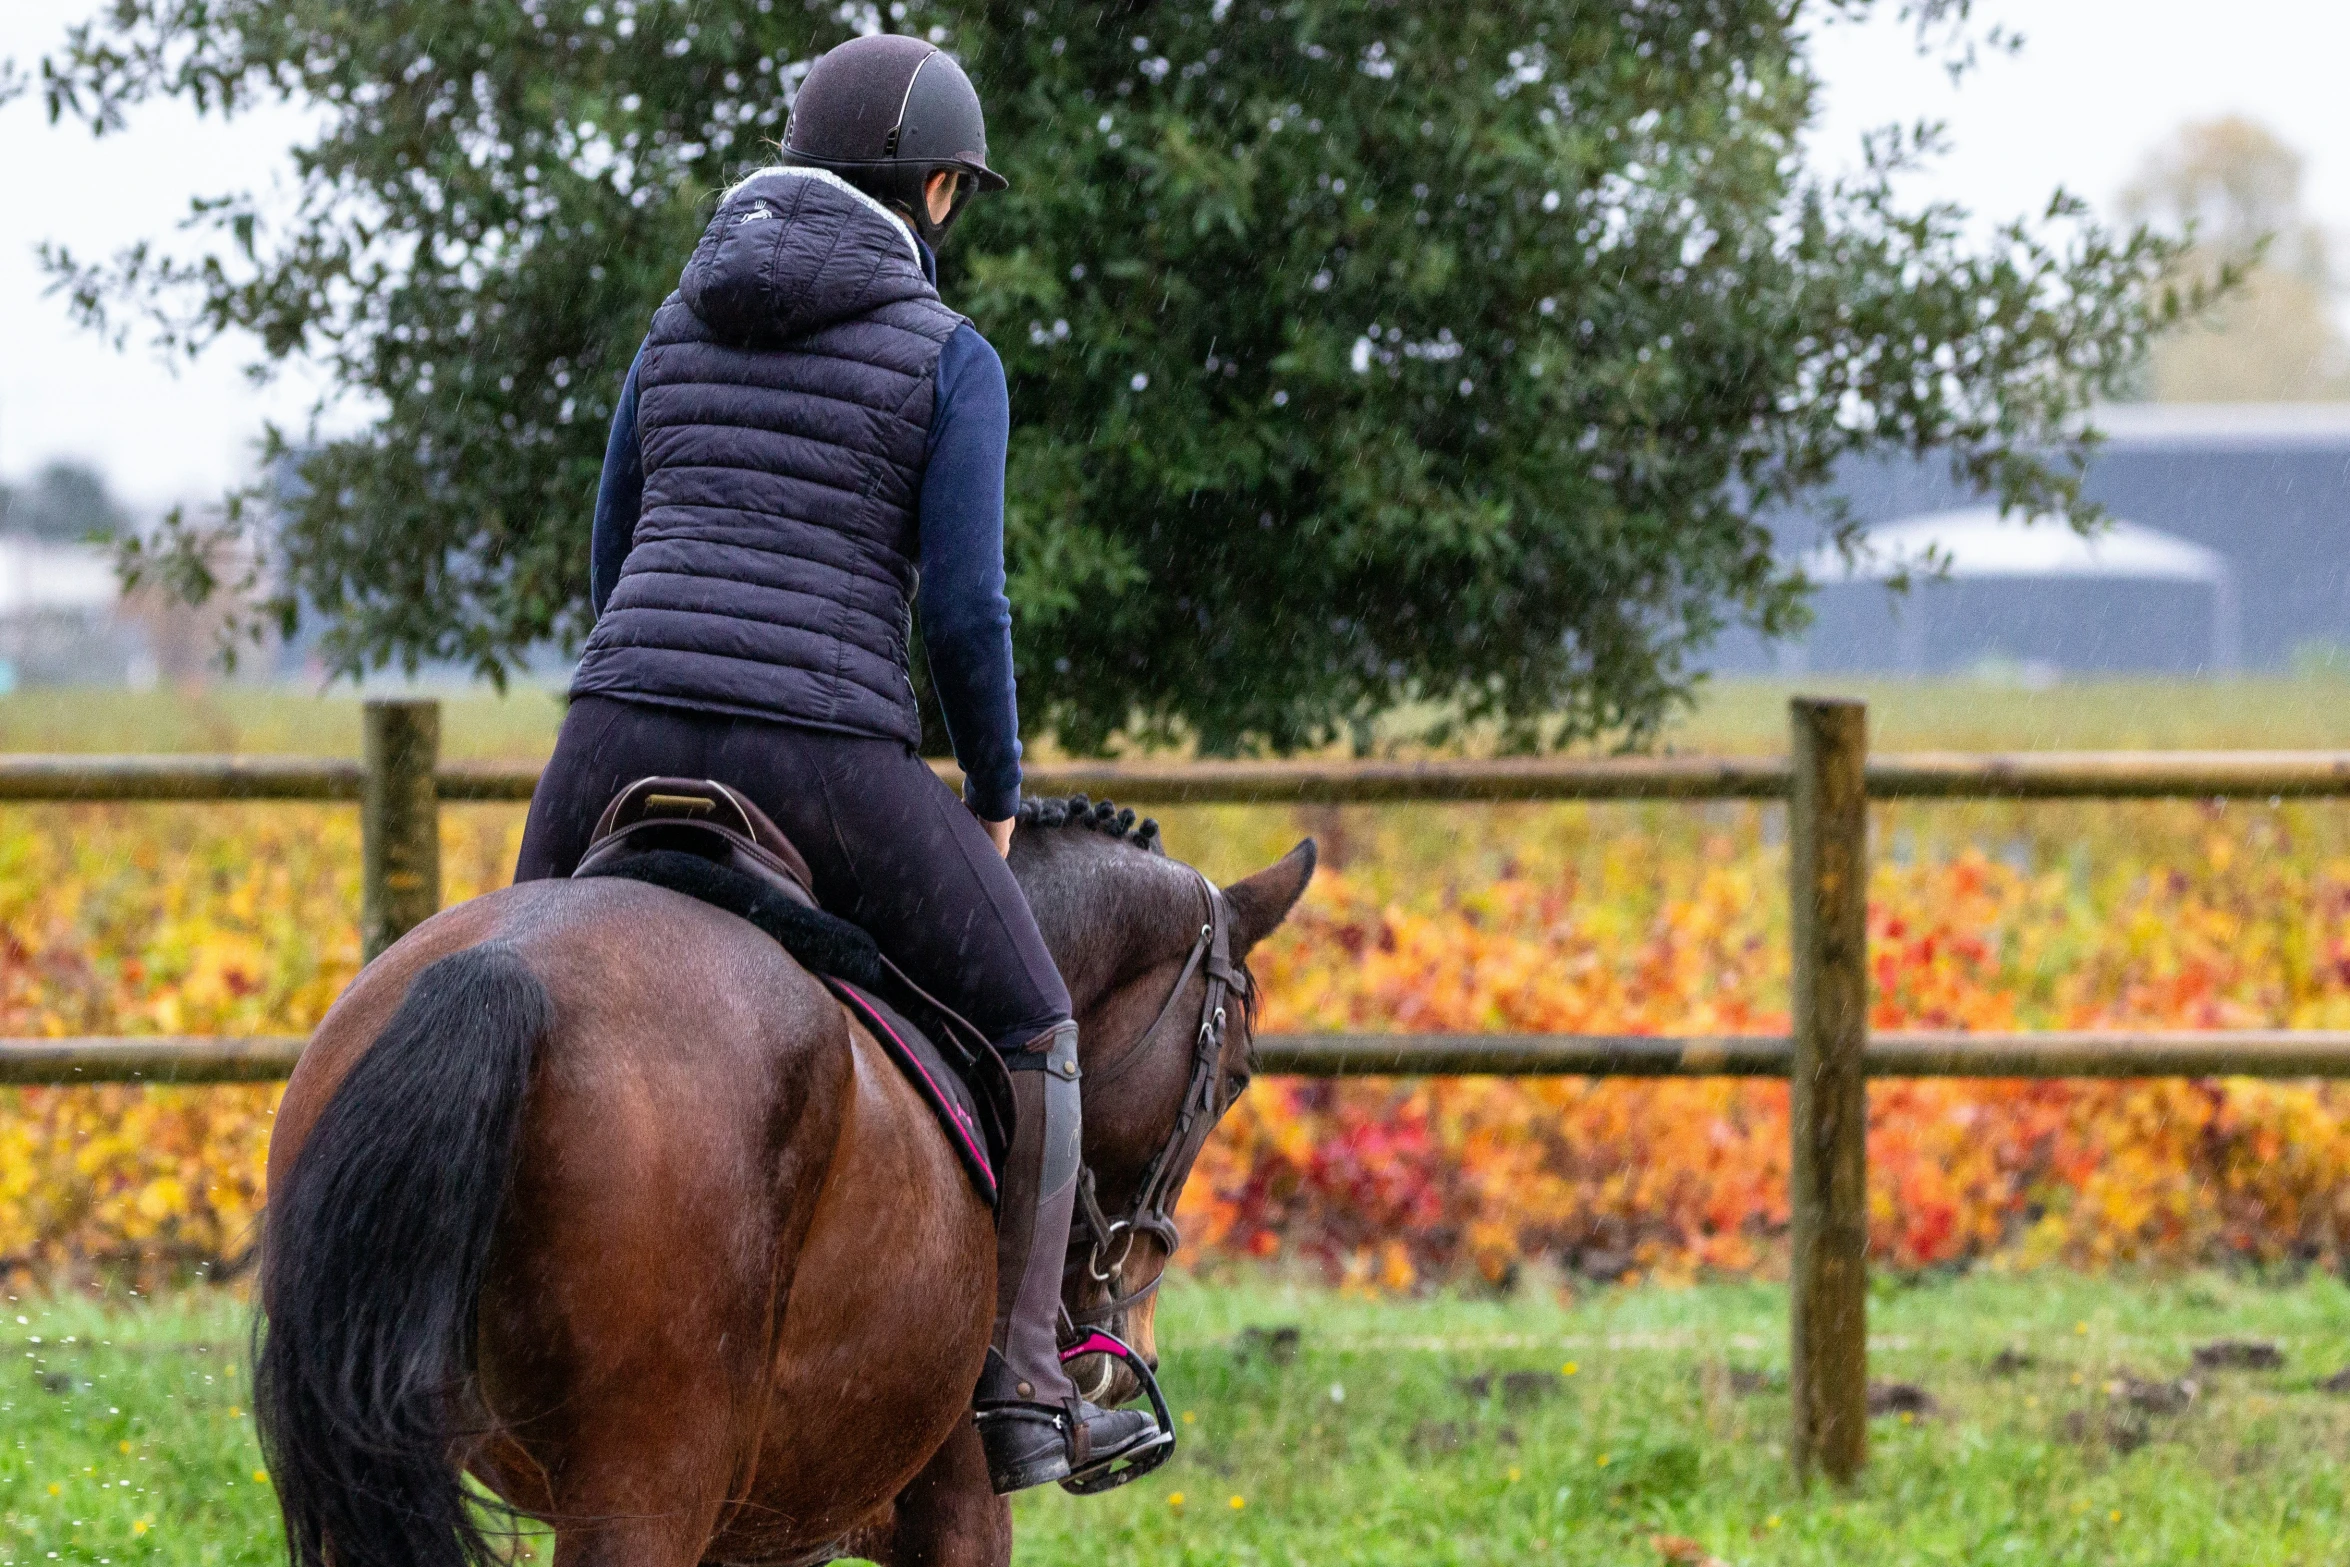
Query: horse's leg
(949, 1516)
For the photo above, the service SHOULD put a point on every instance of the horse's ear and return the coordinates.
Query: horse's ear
(1261, 902)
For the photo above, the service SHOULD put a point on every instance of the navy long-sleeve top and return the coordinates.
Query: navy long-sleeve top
(966, 619)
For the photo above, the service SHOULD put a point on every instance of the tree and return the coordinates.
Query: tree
(1363, 353)
(67, 501)
(2233, 189)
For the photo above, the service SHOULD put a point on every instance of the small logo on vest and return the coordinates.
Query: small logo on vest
(756, 214)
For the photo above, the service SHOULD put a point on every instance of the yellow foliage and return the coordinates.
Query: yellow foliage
(157, 920)
(1664, 919)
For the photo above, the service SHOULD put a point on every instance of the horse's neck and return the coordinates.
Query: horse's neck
(1100, 904)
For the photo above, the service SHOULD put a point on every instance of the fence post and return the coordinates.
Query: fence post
(1827, 843)
(399, 822)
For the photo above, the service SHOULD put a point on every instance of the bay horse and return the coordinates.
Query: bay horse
(588, 1196)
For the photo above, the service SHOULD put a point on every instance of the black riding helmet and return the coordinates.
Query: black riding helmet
(885, 113)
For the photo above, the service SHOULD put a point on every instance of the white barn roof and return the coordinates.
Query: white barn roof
(1977, 542)
(38, 575)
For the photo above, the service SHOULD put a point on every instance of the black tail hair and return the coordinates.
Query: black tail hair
(364, 1374)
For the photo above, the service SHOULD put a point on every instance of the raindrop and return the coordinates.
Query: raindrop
(1140, 381)
(1281, 399)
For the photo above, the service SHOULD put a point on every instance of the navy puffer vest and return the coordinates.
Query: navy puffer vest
(783, 405)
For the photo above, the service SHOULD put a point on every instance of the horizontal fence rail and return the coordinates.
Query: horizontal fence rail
(2113, 1053)
(1922, 775)
(158, 1058)
(101, 780)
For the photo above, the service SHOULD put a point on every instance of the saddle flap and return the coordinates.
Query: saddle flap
(949, 1093)
(700, 816)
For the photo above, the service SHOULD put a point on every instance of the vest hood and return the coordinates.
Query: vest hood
(792, 251)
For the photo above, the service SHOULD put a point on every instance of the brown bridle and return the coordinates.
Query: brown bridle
(1108, 1241)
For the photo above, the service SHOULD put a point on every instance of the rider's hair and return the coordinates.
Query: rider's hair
(1099, 815)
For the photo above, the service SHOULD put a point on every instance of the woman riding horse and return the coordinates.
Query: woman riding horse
(806, 433)
(587, 1192)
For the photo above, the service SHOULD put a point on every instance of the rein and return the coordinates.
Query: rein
(1109, 1240)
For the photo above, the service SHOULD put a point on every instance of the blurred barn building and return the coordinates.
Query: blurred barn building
(2231, 552)
(63, 620)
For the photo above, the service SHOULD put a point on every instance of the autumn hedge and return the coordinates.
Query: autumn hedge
(1609, 919)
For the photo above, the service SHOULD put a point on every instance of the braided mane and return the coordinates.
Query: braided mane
(1118, 823)
(1098, 815)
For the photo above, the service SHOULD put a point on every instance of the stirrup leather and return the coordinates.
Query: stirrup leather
(1110, 1473)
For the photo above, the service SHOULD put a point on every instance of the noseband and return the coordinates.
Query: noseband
(1107, 1241)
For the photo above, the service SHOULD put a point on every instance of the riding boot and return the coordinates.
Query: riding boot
(1032, 1423)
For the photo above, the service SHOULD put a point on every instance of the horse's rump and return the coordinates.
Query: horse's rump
(618, 1182)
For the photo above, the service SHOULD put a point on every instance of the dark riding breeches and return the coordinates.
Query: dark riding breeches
(889, 845)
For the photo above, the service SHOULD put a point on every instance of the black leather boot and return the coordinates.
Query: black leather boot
(1031, 1421)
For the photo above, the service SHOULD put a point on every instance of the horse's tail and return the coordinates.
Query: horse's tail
(365, 1378)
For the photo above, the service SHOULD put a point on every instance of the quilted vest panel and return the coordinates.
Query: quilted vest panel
(783, 406)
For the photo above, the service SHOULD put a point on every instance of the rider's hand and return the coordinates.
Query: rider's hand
(1000, 834)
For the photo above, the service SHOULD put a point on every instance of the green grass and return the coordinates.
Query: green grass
(123, 1435)
(476, 725)
(2261, 713)
(1366, 1447)
(1731, 715)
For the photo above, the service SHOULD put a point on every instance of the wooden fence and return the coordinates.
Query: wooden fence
(1828, 780)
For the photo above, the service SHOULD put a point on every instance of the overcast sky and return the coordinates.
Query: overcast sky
(2097, 83)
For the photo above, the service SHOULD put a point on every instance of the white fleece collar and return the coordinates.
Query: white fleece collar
(803, 171)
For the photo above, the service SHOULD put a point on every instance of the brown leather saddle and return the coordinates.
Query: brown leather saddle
(698, 837)
(699, 816)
